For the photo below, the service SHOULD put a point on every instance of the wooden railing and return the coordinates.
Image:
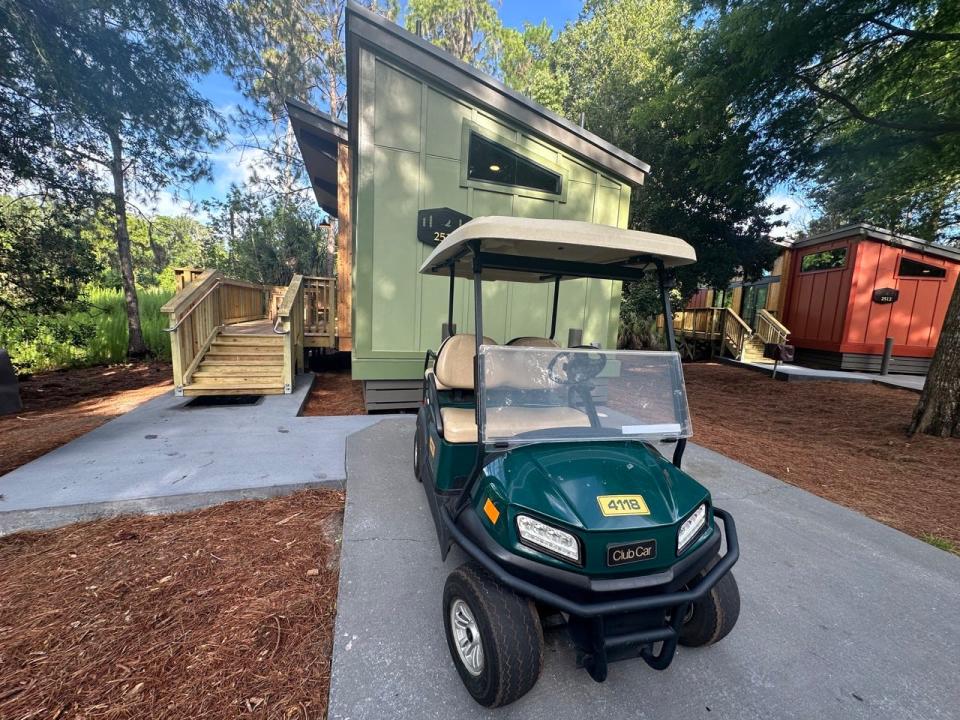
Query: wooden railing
(735, 333)
(196, 314)
(698, 322)
(318, 304)
(289, 322)
(771, 330)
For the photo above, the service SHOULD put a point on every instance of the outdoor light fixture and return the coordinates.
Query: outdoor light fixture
(691, 527)
(494, 168)
(549, 539)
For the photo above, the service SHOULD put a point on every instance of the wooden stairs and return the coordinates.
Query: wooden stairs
(239, 364)
(753, 351)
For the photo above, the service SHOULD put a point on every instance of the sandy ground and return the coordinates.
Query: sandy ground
(845, 442)
(61, 405)
(219, 613)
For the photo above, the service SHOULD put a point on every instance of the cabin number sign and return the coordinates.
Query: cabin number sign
(434, 224)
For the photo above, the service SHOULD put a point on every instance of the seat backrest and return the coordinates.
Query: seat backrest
(531, 341)
(454, 366)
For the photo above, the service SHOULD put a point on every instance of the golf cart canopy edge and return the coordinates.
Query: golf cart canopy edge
(535, 250)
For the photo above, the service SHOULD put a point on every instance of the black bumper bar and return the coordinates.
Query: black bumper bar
(605, 607)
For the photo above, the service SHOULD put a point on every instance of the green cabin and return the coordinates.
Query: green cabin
(431, 142)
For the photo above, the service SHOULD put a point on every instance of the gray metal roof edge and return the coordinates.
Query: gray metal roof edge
(624, 164)
(299, 110)
(884, 235)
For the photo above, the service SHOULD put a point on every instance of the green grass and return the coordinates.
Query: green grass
(93, 334)
(939, 542)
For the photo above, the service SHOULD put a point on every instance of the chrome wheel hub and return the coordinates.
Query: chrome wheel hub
(466, 636)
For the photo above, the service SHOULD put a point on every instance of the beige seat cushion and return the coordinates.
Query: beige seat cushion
(459, 424)
(454, 366)
(426, 379)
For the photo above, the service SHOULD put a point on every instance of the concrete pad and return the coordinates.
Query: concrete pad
(793, 373)
(904, 382)
(166, 456)
(842, 616)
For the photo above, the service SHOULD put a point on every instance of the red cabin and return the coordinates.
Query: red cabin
(846, 291)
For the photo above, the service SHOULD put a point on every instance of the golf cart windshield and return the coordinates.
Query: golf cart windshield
(555, 395)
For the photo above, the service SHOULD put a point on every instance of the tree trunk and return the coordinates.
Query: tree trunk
(938, 412)
(136, 349)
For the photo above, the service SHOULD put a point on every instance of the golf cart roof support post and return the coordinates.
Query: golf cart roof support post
(671, 343)
(556, 302)
(453, 276)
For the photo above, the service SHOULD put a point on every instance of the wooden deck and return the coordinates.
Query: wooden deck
(230, 337)
(723, 330)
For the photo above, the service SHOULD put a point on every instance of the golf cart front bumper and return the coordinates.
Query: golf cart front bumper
(595, 606)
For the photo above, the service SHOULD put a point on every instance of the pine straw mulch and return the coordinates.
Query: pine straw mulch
(335, 392)
(219, 613)
(843, 441)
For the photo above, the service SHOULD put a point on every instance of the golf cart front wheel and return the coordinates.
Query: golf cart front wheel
(713, 616)
(494, 636)
(418, 453)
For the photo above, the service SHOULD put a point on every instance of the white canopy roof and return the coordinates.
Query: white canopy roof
(563, 240)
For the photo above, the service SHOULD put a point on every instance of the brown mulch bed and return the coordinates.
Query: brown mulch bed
(334, 392)
(845, 442)
(217, 613)
(61, 405)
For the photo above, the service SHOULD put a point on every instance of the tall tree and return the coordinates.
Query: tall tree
(622, 68)
(467, 29)
(290, 49)
(270, 238)
(862, 96)
(938, 411)
(113, 84)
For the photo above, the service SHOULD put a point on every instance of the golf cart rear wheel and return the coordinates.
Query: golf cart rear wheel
(713, 616)
(417, 452)
(494, 636)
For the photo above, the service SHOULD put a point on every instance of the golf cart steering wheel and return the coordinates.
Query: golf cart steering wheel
(577, 368)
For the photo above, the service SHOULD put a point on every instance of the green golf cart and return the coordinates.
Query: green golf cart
(547, 466)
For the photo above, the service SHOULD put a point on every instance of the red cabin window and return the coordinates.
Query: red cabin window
(824, 260)
(912, 269)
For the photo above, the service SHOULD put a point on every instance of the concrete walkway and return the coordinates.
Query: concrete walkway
(165, 456)
(842, 617)
(792, 373)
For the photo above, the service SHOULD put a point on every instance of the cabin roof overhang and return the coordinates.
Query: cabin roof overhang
(319, 136)
(888, 237)
(365, 28)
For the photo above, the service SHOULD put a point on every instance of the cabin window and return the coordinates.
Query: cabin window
(913, 269)
(489, 161)
(824, 260)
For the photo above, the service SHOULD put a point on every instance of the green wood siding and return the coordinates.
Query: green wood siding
(408, 148)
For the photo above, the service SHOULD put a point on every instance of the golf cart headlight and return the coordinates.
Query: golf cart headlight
(691, 527)
(548, 538)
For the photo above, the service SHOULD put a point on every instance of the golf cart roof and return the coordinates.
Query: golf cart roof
(532, 250)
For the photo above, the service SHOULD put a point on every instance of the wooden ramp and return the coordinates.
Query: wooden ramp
(230, 337)
(723, 330)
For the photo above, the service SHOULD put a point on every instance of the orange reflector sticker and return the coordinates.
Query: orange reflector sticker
(491, 510)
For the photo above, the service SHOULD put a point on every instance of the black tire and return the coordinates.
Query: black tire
(417, 453)
(714, 615)
(509, 631)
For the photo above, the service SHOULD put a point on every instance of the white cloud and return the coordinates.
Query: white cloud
(797, 214)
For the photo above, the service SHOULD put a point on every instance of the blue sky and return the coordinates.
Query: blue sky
(234, 164)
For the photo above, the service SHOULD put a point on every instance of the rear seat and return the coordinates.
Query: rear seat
(532, 341)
